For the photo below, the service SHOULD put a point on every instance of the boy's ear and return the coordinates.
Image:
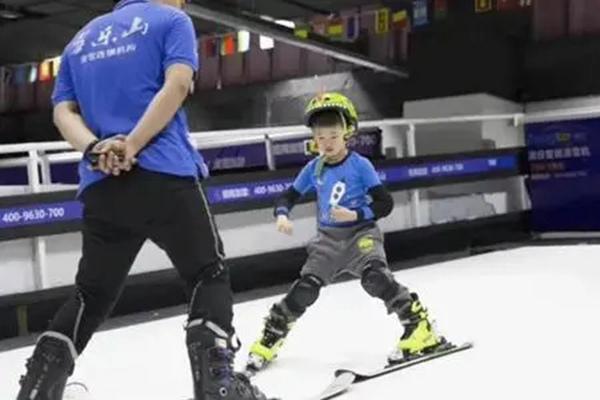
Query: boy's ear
(311, 148)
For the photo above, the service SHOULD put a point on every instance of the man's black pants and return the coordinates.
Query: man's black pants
(120, 213)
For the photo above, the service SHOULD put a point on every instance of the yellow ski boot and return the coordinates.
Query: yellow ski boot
(419, 336)
(277, 326)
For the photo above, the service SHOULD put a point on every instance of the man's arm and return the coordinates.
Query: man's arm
(162, 108)
(71, 125)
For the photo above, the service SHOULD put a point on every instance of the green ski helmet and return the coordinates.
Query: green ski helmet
(337, 102)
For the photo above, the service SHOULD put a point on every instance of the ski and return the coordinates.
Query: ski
(345, 378)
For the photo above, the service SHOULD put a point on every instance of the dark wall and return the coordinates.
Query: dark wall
(448, 59)
(562, 68)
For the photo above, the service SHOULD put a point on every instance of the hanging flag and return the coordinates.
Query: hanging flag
(56, 66)
(482, 6)
(400, 19)
(302, 30)
(508, 5)
(352, 27)
(335, 28)
(228, 44)
(211, 47)
(440, 9)
(525, 3)
(382, 21)
(319, 26)
(243, 41)
(6, 75)
(33, 73)
(21, 73)
(45, 71)
(420, 16)
(266, 42)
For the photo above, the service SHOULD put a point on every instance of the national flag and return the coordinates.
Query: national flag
(228, 44)
(482, 6)
(420, 15)
(210, 47)
(45, 71)
(243, 41)
(33, 73)
(319, 26)
(508, 5)
(352, 27)
(302, 31)
(335, 28)
(21, 73)
(440, 9)
(382, 21)
(56, 66)
(400, 19)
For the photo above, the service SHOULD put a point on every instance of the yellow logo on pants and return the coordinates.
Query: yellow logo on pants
(366, 244)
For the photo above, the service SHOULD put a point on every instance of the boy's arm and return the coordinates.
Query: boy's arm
(302, 185)
(381, 207)
(383, 203)
(287, 201)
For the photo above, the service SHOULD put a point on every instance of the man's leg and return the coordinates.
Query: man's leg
(187, 232)
(107, 255)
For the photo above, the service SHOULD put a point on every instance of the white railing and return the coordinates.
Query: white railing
(38, 157)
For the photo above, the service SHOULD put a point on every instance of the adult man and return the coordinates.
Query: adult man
(118, 97)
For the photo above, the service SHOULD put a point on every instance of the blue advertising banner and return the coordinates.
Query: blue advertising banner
(248, 191)
(564, 183)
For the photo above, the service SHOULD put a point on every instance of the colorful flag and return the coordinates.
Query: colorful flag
(382, 21)
(56, 66)
(508, 5)
(266, 42)
(400, 19)
(302, 31)
(5, 75)
(482, 6)
(33, 74)
(243, 41)
(210, 47)
(420, 16)
(352, 27)
(319, 26)
(21, 73)
(440, 9)
(228, 44)
(335, 28)
(45, 71)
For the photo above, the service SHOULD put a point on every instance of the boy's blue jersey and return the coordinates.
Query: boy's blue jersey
(345, 184)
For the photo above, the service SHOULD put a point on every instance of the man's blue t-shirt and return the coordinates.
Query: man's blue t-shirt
(346, 184)
(115, 66)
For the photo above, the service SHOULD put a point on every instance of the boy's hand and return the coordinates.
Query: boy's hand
(342, 214)
(284, 225)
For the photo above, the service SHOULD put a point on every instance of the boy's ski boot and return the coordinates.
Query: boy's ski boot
(277, 326)
(419, 336)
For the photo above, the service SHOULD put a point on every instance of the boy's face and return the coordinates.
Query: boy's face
(330, 140)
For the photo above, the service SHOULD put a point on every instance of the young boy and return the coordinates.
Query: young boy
(350, 198)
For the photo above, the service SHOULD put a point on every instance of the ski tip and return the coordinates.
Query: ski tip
(341, 372)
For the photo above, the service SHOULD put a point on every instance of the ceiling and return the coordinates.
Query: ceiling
(32, 30)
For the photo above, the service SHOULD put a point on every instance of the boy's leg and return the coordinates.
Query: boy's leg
(367, 260)
(320, 268)
(107, 255)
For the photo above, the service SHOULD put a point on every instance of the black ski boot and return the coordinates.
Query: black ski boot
(211, 353)
(48, 368)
